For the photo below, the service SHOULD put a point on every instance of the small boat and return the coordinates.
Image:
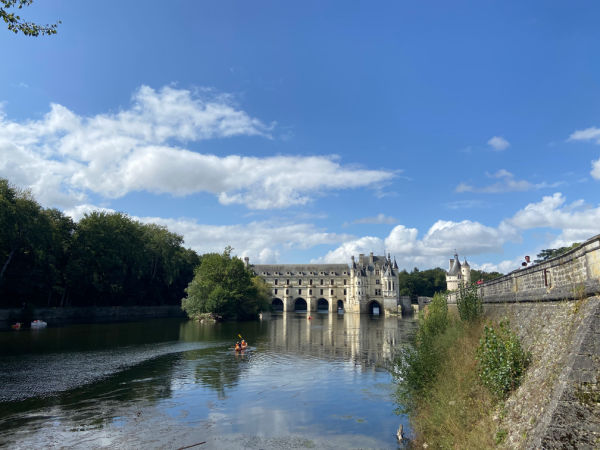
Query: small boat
(38, 324)
(16, 326)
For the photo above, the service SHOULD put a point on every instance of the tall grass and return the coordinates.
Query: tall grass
(439, 379)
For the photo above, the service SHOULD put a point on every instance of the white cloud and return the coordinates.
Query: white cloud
(576, 222)
(589, 134)
(507, 183)
(498, 143)
(378, 219)
(262, 242)
(64, 156)
(596, 169)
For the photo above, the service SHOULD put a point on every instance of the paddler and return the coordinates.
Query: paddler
(238, 346)
(244, 344)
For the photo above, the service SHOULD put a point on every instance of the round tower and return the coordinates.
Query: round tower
(465, 270)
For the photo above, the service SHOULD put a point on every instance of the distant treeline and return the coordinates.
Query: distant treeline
(105, 259)
(427, 282)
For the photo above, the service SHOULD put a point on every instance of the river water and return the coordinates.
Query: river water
(170, 383)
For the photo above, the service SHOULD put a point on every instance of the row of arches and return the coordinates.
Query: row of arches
(300, 305)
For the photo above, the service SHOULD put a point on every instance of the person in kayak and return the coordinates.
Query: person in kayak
(244, 344)
(238, 346)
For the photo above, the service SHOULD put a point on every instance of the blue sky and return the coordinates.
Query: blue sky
(311, 131)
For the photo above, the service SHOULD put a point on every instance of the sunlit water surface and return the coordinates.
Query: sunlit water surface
(320, 383)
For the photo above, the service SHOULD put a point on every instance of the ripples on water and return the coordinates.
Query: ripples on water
(168, 383)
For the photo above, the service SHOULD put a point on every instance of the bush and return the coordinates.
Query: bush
(470, 305)
(417, 367)
(502, 360)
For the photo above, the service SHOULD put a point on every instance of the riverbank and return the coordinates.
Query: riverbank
(557, 404)
(64, 316)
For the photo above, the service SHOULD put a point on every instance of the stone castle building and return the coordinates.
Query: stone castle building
(369, 285)
(457, 273)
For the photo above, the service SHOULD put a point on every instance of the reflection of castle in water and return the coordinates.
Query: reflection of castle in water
(366, 340)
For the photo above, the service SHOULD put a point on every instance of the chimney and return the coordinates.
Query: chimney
(371, 257)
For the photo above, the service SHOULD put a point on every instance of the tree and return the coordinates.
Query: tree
(223, 286)
(16, 24)
(550, 253)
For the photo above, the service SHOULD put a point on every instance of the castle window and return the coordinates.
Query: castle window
(275, 291)
(331, 282)
(321, 291)
(287, 291)
(377, 281)
(310, 292)
(344, 291)
(377, 291)
(321, 281)
(287, 282)
(299, 282)
(345, 282)
(299, 291)
(377, 272)
(275, 280)
(331, 291)
(310, 282)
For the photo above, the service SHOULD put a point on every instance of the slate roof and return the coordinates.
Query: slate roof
(300, 269)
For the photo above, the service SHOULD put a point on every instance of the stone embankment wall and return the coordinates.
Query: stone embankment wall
(574, 274)
(558, 402)
(60, 316)
(554, 309)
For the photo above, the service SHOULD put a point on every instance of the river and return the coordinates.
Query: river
(172, 383)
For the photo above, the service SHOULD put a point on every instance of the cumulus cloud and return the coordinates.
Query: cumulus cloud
(63, 157)
(498, 143)
(576, 222)
(507, 183)
(262, 242)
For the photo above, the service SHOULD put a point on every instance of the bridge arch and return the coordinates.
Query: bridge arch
(322, 305)
(300, 305)
(277, 304)
(374, 308)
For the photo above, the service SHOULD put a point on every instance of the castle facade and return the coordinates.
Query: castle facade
(366, 286)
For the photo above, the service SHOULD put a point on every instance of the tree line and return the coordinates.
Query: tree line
(105, 259)
(427, 282)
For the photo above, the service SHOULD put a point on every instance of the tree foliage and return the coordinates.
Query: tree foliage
(550, 253)
(477, 275)
(422, 283)
(468, 302)
(16, 24)
(223, 286)
(501, 359)
(46, 259)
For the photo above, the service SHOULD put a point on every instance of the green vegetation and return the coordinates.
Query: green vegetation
(427, 282)
(106, 259)
(439, 383)
(468, 302)
(422, 283)
(502, 360)
(553, 252)
(16, 24)
(223, 286)
(480, 275)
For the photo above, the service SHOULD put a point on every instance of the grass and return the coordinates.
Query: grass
(456, 411)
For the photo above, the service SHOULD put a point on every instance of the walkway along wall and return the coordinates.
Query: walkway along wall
(575, 274)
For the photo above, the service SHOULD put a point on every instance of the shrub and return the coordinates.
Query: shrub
(502, 360)
(417, 367)
(468, 302)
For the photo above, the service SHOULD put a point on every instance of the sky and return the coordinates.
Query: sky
(310, 131)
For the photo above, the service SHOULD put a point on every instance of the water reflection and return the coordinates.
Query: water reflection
(366, 340)
(171, 383)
